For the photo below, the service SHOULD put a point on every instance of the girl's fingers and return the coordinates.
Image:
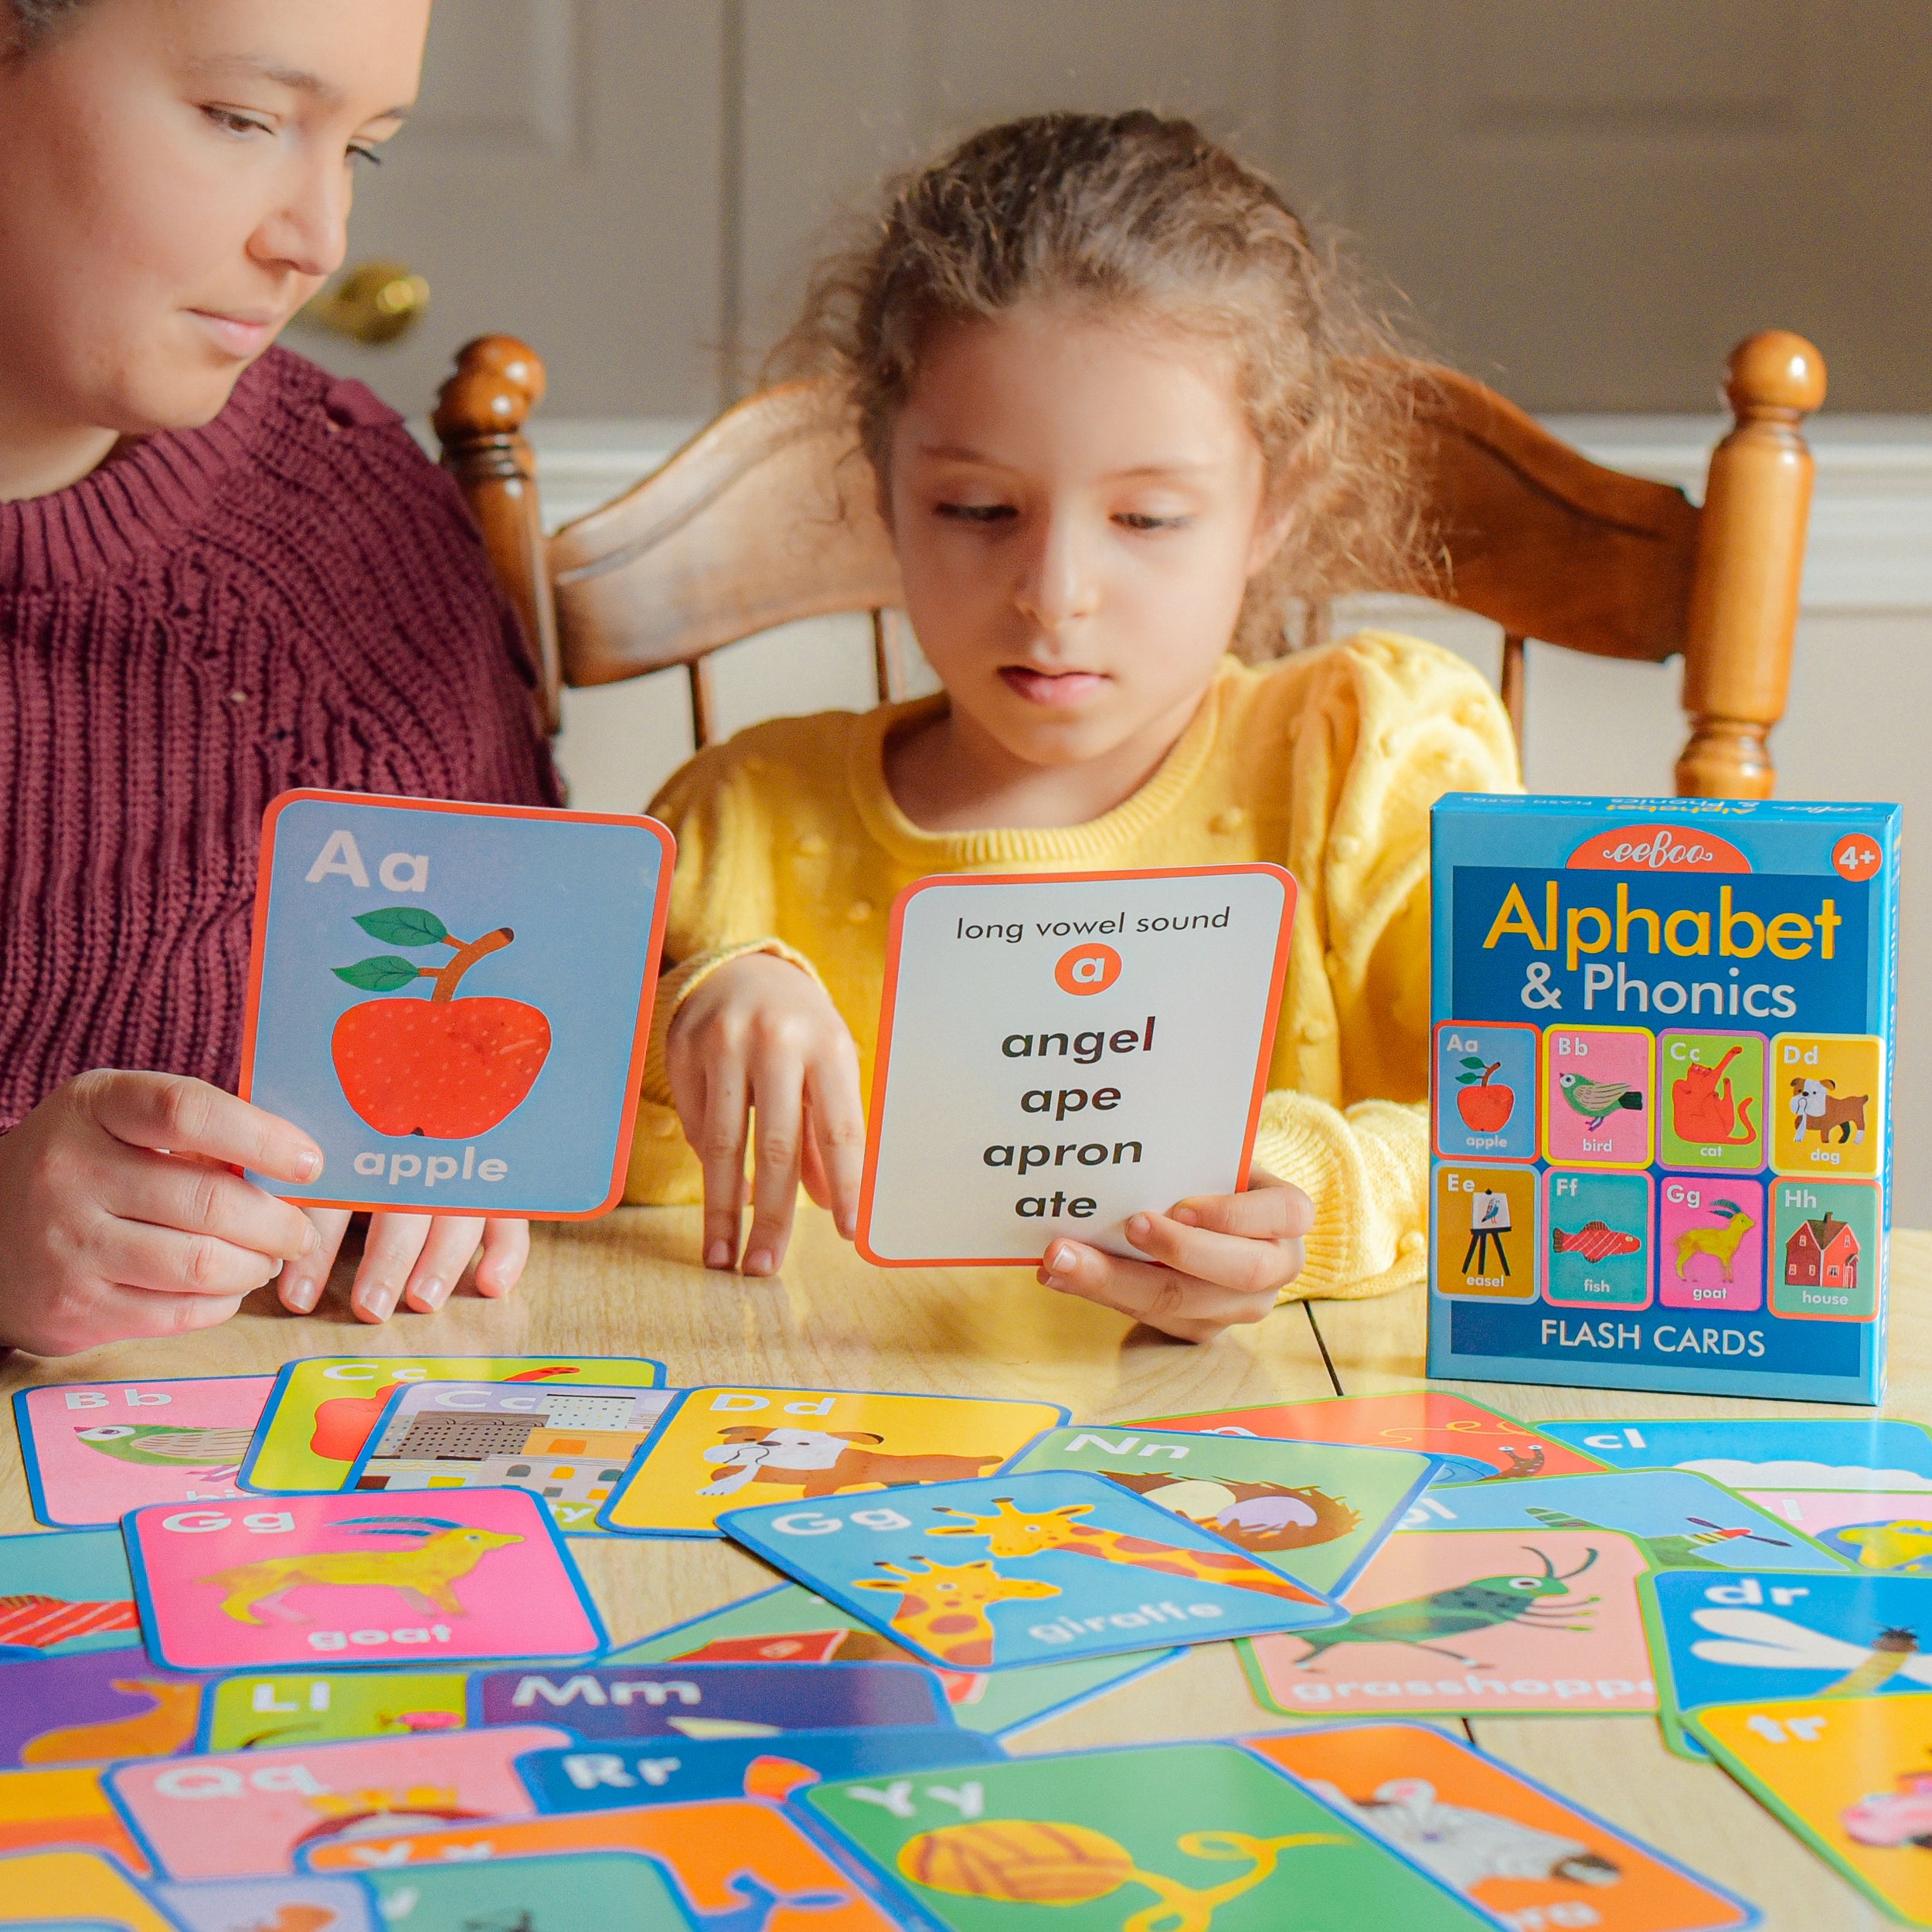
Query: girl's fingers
(445, 1253)
(302, 1281)
(195, 1196)
(1190, 1311)
(777, 1096)
(1229, 1260)
(169, 1261)
(1270, 1210)
(837, 1122)
(811, 1160)
(506, 1247)
(390, 1251)
(719, 1143)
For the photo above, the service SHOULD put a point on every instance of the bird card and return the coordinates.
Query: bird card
(283, 1904)
(1508, 1844)
(363, 1579)
(244, 1713)
(568, 1443)
(323, 1410)
(1480, 1623)
(1017, 1569)
(570, 1893)
(64, 1592)
(1878, 1531)
(94, 1451)
(63, 1806)
(724, 1448)
(1316, 1512)
(453, 1000)
(69, 1884)
(1047, 1064)
(92, 1706)
(1766, 1452)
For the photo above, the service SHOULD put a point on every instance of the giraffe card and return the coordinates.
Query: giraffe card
(69, 1885)
(63, 1592)
(94, 1451)
(303, 1580)
(251, 1905)
(721, 1448)
(244, 1713)
(1017, 1569)
(93, 1706)
(579, 1889)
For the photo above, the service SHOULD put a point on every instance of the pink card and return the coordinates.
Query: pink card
(478, 1576)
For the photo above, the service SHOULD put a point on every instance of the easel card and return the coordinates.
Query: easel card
(43, 1887)
(583, 1890)
(454, 1000)
(1057, 1052)
(1766, 1452)
(329, 1707)
(63, 1592)
(92, 1706)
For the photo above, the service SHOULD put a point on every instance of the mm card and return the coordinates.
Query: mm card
(66, 1591)
(90, 1707)
(1766, 1452)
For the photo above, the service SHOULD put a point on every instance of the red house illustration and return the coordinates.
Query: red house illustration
(1822, 1254)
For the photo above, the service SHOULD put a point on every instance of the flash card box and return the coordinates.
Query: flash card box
(1660, 1084)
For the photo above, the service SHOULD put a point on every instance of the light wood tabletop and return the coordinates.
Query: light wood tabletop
(629, 1284)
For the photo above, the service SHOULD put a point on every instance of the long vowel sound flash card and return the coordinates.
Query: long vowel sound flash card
(1058, 1051)
(1660, 1094)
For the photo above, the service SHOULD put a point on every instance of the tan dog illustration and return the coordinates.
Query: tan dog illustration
(820, 1462)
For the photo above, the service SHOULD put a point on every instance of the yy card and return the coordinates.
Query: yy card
(328, 1707)
(362, 1580)
(64, 1592)
(62, 1806)
(252, 1905)
(1874, 1530)
(574, 1892)
(94, 1451)
(720, 1448)
(453, 1000)
(64, 1885)
(1023, 1569)
(92, 1706)
(1766, 1452)
(1048, 1064)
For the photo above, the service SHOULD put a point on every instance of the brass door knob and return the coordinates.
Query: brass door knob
(373, 302)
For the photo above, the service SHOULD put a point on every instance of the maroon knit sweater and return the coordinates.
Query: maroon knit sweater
(294, 595)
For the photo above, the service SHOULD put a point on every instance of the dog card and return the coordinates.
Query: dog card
(1766, 1452)
(63, 1806)
(1315, 1511)
(38, 1888)
(1881, 1532)
(719, 1448)
(1454, 1623)
(572, 1893)
(285, 1707)
(1021, 1569)
(94, 1451)
(368, 1579)
(252, 1905)
(321, 1411)
(1508, 1844)
(454, 1000)
(92, 1706)
(63, 1593)
(1047, 1064)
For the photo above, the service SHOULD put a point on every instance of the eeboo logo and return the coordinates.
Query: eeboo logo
(1089, 968)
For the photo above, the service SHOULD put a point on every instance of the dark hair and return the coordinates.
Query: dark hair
(28, 22)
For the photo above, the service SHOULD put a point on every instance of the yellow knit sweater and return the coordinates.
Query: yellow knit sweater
(1326, 762)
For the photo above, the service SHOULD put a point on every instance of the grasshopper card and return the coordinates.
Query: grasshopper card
(1058, 1051)
(43, 1888)
(328, 1707)
(574, 1892)
(1766, 1452)
(91, 1706)
(252, 1905)
(454, 1000)
(64, 1592)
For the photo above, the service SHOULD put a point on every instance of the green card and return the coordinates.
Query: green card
(565, 1891)
(244, 1713)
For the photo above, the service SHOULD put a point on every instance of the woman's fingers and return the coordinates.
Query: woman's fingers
(179, 1115)
(302, 1281)
(446, 1252)
(389, 1252)
(1190, 1310)
(197, 1197)
(168, 1260)
(506, 1247)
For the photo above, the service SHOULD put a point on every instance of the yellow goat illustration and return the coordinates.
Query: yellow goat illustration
(1720, 1243)
(428, 1573)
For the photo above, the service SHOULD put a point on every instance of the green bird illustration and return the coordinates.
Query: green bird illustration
(160, 1445)
(1597, 1100)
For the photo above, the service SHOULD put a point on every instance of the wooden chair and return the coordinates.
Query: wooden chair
(768, 516)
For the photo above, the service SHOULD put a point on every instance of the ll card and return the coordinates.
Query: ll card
(65, 1592)
(292, 1707)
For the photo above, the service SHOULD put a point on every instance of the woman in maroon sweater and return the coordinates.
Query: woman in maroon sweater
(223, 574)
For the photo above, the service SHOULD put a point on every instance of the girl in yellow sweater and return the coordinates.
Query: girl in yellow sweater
(1119, 410)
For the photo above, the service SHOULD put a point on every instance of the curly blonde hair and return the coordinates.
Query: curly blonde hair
(1144, 213)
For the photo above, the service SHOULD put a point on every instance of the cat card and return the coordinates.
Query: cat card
(717, 1449)
(789, 1624)
(92, 1706)
(1880, 1532)
(1021, 1569)
(64, 1592)
(63, 1806)
(364, 1580)
(453, 1000)
(246, 1813)
(252, 1905)
(1165, 1836)
(709, 1700)
(1456, 1623)
(59, 1886)
(1766, 1452)
(94, 1451)
(1316, 1512)
(566, 1443)
(1510, 1846)
(285, 1707)
(575, 1892)
(321, 1411)
(1473, 1443)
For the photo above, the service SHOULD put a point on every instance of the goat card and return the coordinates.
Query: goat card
(1457, 1623)
(1017, 1009)
(574, 1892)
(368, 1579)
(94, 1451)
(1873, 1530)
(789, 1624)
(253, 1904)
(565, 1442)
(1315, 1511)
(63, 1886)
(720, 1448)
(1078, 1557)
(483, 1054)
(1509, 1845)
(64, 1592)
(92, 1706)
(321, 1411)
(1766, 1452)
(244, 1713)
(62, 1806)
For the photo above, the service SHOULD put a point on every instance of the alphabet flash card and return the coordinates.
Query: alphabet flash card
(64, 1805)
(65, 1592)
(244, 1713)
(454, 1000)
(92, 1706)
(579, 1890)
(1058, 1051)
(251, 1905)
(1766, 1452)
(67, 1884)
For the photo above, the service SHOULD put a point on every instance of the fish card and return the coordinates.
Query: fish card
(323, 1410)
(63, 1806)
(721, 1448)
(1766, 1452)
(368, 1579)
(1316, 1512)
(66, 1592)
(94, 1451)
(1475, 1623)
(92, 1706)
(252, 1905)
(1884, 1532)
(244, 1713)
(68, 1884)
(1088, 1569)
(1511, 1845)
(1046, 1064)
(572, 1891)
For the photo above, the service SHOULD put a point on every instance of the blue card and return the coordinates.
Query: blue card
(1015, 1569)
(286, 1904)
(1766, 1452)
(454, 999)
(90, 1707)
(64, 1591)
(587, 1891)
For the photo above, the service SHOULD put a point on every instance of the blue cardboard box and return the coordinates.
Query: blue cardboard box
(1659, 1093)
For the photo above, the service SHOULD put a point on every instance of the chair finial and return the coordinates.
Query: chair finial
(1775, 370)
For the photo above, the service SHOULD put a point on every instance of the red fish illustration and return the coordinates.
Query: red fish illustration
(1594, 1241)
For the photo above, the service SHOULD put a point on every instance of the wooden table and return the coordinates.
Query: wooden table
(628, 1285)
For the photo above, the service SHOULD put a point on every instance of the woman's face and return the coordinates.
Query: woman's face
(175, 181)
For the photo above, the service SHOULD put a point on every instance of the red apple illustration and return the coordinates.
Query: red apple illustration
(342, 1424)
(445, 1068)
(1485, 1108)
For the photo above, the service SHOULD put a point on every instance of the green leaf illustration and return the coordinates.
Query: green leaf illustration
(385, 973)
(404, 925)
(1471, 1060)
(1469, 1080)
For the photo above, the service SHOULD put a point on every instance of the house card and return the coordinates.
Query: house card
(290, 1707)
(1047, 1063)
(38, 1888)
(366, 1579)
(720, 1448)
(65, 1592)
(1766, 1452)
(1022, 1568)
(63, 1806)
(454, 1000)
(572, 1892)
(90, 1707)
(1885, 1532)
(251, 1905)
(94, 1451)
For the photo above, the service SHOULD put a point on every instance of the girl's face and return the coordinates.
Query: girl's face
(1077, 507)
(175, 179)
